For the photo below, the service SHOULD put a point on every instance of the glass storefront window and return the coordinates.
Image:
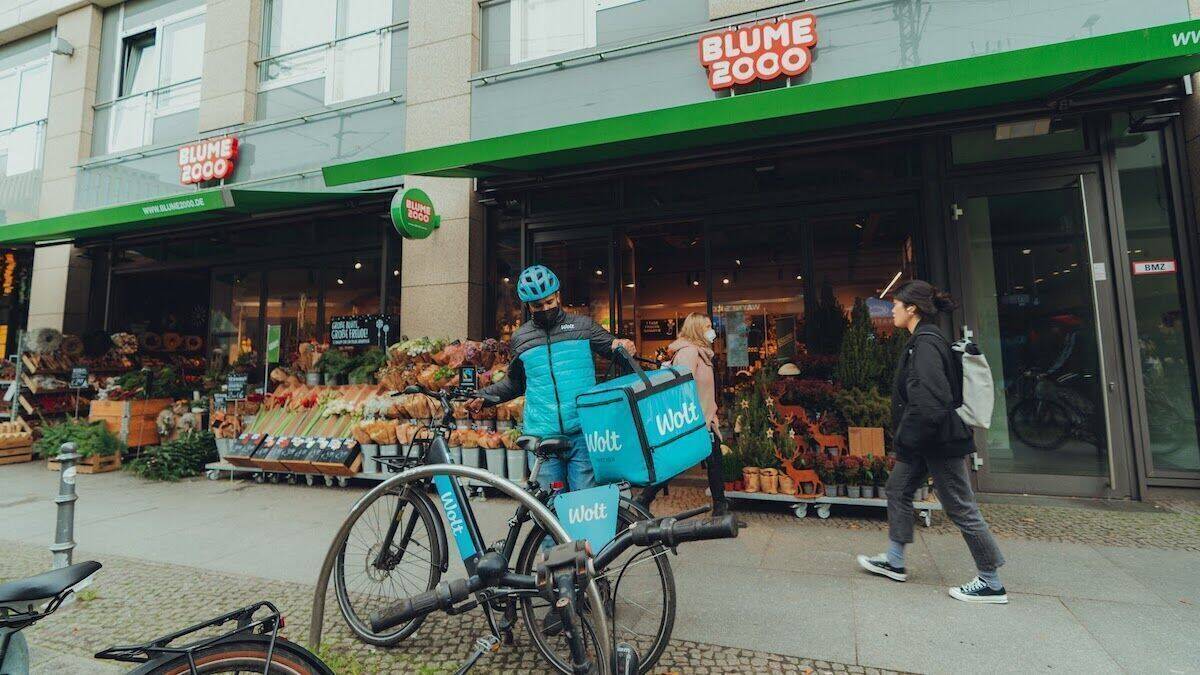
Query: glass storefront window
(351, 287)
(661, 282)
(504, 264)
(582, 266)
(1016, 140)
(292, 302)
(1162, 317)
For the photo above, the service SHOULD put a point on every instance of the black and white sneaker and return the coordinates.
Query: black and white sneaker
(979, 592)
(879, 565)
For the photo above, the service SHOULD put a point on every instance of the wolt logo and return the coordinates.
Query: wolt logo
(674, 420)
(452, 514)
(585, 514)
(609, 441)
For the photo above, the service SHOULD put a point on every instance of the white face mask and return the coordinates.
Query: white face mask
(710, 335)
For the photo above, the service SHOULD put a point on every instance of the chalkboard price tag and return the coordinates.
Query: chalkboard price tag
(79, 375)
(235, 387)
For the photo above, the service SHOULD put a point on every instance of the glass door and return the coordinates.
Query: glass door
(1036, 283)
(582, 259)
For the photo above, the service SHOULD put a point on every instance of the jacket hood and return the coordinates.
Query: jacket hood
(706, 353)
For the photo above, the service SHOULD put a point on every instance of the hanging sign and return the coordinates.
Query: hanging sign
(362, 331)
(274, 338)
(210, 159)
(413, 214)
(1153, 267)
(762, 51)
(658, 329)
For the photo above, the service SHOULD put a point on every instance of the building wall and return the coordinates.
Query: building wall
(1191, 130)
(855, 38)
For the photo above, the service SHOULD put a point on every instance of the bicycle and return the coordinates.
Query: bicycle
(405, 552)
(1047, 412)
(253, 645)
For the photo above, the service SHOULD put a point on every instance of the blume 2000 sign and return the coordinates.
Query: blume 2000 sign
(207, 160)
(763, 51)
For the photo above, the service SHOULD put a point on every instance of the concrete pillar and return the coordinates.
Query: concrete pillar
(232, 43)
(59, 292)
(1191, 128)
(442, 276)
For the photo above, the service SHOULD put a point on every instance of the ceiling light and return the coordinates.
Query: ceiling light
(599, 272)
(1074, 264)
(695, 282)
(1039, 280)
(357, 265)
(1137, 250)
(725, 281)
(737, 261)
(858, 225)
(1018, 288)
(1055, 273)
(396, 273)
(505, 280)
(340, 282)
(799, 277)
(629, 285)
(1026, 251)
(890, 284)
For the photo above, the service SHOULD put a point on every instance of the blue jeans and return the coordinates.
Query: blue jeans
(574, 470)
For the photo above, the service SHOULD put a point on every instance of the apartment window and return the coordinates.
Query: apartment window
(347, 43)
(24, 96)
(542, 28)
(159, 76)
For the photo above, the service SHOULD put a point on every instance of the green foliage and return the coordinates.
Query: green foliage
(362, 368)
(755, 444)
(90, 439)
(731, 466)
(861, 362)
(183, 457)
(87, 595)
(163, 383)
(865, 408)
(826, 323)
(334, 362)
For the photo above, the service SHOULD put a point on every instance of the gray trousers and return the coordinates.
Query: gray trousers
(958, 499)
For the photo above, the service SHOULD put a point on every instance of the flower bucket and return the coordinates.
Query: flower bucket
(495, 461)
(750, 476)
(769, 481)
(517, 471)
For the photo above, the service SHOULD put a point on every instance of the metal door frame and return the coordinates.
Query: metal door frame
(1119, 481)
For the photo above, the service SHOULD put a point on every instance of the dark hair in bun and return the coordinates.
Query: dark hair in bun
(927, 298)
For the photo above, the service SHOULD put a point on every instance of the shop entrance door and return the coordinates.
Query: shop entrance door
(583, 261)
(1036, 280)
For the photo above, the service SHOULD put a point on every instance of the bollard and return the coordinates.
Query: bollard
(64, 529)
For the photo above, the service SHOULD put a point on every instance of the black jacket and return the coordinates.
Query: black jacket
(925, 394)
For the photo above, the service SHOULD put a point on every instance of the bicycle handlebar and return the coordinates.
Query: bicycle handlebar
(446, 595)
(671, 533)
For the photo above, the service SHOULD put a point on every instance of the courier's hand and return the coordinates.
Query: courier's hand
(627, 345)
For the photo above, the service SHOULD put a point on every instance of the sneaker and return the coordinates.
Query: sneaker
(978, 591)
(879, 565)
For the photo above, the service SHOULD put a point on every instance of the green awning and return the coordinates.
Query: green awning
(1034, 74)
(215, 205)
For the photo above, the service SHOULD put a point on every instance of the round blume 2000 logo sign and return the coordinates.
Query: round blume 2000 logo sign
(413, 214)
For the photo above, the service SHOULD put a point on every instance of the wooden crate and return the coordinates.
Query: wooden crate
(16, 455)
(15, 434)
(132, 421)
(866, 441)
(93, 464)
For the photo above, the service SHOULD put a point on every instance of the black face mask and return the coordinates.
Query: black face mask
(547, 318)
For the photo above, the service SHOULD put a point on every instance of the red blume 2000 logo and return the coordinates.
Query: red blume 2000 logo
(763, 51)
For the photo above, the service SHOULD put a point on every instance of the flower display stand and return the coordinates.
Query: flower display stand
(823, 505)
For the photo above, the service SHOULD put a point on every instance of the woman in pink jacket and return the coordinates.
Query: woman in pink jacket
(693, 351)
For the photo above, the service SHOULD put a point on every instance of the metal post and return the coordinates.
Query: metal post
(64, 529)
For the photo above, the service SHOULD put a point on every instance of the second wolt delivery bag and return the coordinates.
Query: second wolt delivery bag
(645, 428)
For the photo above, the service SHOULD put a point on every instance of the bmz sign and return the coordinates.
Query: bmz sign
(762, 51)
(210, 159)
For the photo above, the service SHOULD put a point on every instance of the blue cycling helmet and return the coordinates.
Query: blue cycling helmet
(536, 282)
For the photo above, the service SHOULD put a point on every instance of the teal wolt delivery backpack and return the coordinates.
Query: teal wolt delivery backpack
(644, 428)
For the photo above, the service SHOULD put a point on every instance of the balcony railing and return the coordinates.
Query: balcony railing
(23, 147)
(354, 66)
(130, 119)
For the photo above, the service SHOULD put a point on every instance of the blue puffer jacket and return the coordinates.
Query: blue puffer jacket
(551, 367)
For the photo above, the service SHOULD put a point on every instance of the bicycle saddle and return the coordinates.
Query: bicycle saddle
(545, 447)
(47, 585)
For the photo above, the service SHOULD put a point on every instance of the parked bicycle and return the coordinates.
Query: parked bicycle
(253, 645)
(1048, 411)
(397, 548)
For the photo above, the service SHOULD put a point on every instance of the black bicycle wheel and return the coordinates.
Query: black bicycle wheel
(1044, 425)
(374, 572)
(241, 655)
(642, 609)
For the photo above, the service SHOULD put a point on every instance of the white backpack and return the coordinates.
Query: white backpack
(978, 390)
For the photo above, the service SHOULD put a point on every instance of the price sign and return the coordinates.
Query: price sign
(218, 402)
(468, 377)
(79, 377)
(235, 387)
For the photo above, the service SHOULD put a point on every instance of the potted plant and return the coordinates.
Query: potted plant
(866, 477)
(333, 364)
(731, 470)
(826, 467)
(882, 470)
(852, 466)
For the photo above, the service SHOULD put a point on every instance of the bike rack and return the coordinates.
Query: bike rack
(538, 510)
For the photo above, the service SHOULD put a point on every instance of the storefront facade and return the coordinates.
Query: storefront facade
(771, 164)
(1041, 180)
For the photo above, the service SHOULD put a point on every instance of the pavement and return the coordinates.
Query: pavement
(1094, 587)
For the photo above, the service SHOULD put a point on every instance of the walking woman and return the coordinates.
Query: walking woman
(693, 350)
(931, 439)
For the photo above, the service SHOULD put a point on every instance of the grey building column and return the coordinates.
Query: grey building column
(441, 283)
(58, 295)
(232, 43)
